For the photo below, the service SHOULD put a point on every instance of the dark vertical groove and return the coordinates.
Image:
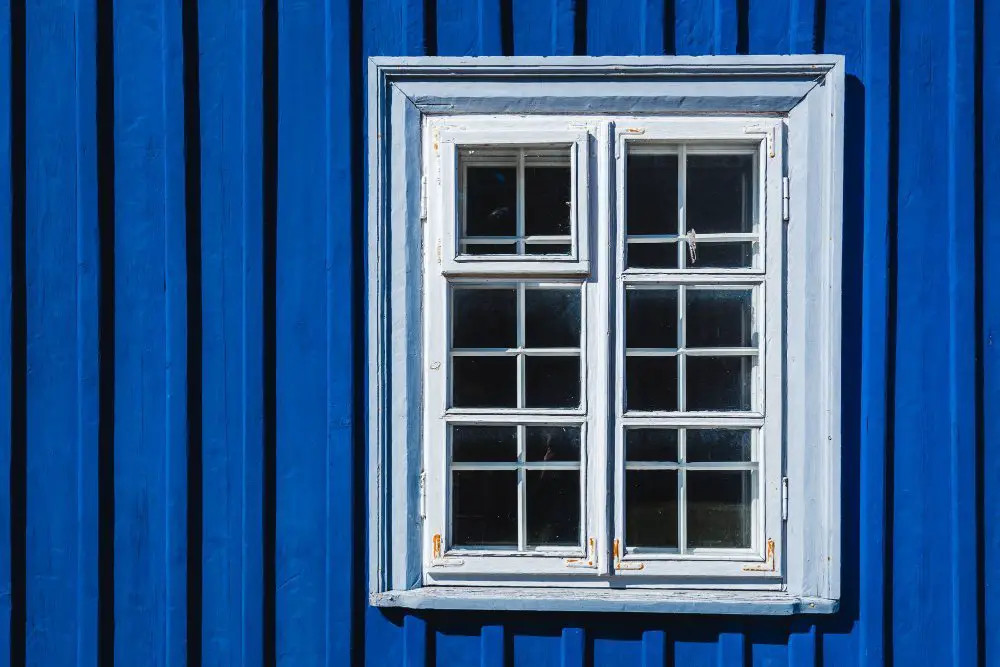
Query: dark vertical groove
(669, 27)
(819, 27)
(892, 272)
(192, 210)
(507, 27)
(742, 26)
(580, 27)
(18, 340)
(359, 504)
(430, 27)
(269, 95)
(980, 346)
(106, 334)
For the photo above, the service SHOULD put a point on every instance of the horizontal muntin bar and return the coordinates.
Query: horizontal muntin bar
(509, 352)
(692, 352)
(514, 465)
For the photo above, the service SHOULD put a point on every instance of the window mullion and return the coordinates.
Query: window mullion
(682, 491)
(522, 493)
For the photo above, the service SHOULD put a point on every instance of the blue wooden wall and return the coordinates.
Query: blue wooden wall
(182, 190)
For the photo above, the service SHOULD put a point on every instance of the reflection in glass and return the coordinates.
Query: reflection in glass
(553, 507)
(490, 200)
(651, 194)
(547, 200)
(651, 318)
(651, 444)
(551, 318)
(720, 193)
(718, 445)
(552, 443)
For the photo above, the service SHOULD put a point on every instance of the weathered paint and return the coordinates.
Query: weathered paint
(180, 367)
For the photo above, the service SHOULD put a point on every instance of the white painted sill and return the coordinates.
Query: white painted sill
(756, 603)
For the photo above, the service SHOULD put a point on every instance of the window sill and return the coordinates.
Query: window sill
(583, 599)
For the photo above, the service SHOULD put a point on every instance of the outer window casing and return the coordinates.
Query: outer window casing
(807, 93)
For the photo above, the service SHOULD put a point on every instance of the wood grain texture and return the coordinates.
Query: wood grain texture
(151, 436)
(62, 275)
(627, 28)
(232, 235)
(543, 27)
(469, 28)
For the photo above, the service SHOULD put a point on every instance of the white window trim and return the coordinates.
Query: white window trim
(805, 91)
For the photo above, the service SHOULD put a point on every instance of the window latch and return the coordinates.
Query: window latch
(437, 557)
(767, 565)
(590, 561)
(625, 564)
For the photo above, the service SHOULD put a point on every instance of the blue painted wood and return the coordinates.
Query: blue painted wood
(6, 304)
(315, 548)
(62, 273)
(574, 645)
(626, 28)
(543, 27)
(469, 28)
(151, 439)
(232, 235)
(654, 648)
(731, 649)
(802, 647)
(770, 26)
(394, 27)
(415, 647)
(706, 26)
(492, 648)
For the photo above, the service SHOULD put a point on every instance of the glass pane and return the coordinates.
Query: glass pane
(730, 255)
(651, 255)
(718, 445)
(552, 382)
(546, 248)
(651, 444)
(651, 383)
(651, 318)
(471, 444)
(719, 318)
(651, 194)
(552, 443)
(484, 318)
(651, 508)
(718, 508)
(718, 383)
(489, 248)
(484, 382)
(720, 193)
(490, 200)
(553, 507)
(484, 508)
(547, 200)
(551, 318)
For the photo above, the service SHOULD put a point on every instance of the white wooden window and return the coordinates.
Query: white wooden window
(605, 345)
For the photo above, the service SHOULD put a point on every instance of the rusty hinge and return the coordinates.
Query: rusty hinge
(624, 564)
(767, 565)
(591, 559)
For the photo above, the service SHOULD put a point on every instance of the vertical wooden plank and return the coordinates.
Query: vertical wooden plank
(802, 26)
(573, 647)
(394, 28)
(770, 26)
(62, 274)
(150, 336)
(961, 119)
(231, 61)
(990, 258)
(543, 27)
(414, 641)
(6, 293)
(469, 28)
(732, 646)
(654, 648)
(492, 646)
(315, 548)
(802, 646)
(706, 27)
(626, 28)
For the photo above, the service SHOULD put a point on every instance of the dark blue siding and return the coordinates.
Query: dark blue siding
(182, 191)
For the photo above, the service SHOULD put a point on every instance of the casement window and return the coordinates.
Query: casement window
(604, 354)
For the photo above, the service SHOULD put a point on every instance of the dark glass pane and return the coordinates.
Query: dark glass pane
(483, 443)
(651, 318)
(552, 443)
(551, 318)
(484, 318)
(651, 444)
(651, 383)
(484, 508)
(731, 255)
(722, 445)
(547, 199)
(484, 382)
(546, 248)
(719, 193)
(553, 507)
(651, 508)
(490, 248)
(552, 382)
(491, 201)
(651, 194)
(719, 318)
(718, 508)
(718, 383)
(651, 256)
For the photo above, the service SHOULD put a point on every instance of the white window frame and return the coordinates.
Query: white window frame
(788, 102)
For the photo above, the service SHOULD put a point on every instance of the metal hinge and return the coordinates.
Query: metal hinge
(590, 561)
(438, 559)
(621, 564)
(423, 198)
(784, 198)
(784, 499)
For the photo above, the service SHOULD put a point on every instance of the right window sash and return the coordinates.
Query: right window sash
(698, 347)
